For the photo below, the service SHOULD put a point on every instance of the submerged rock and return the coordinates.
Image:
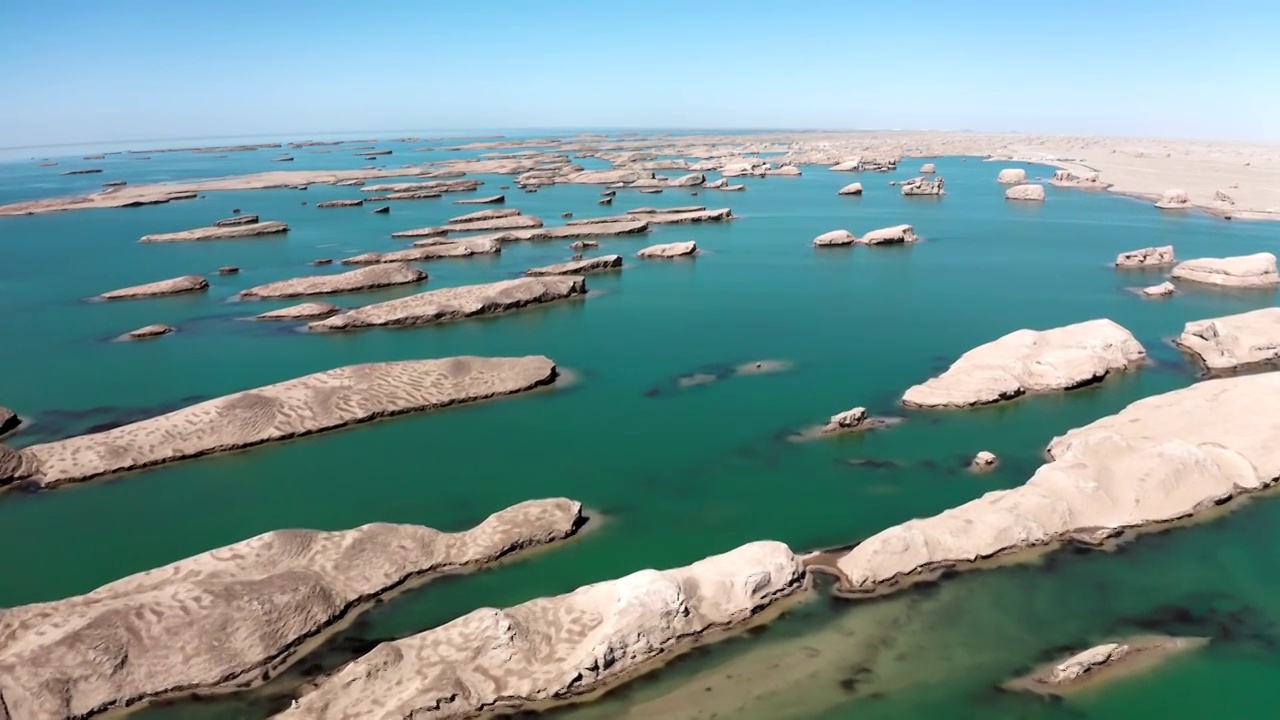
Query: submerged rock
(1164, 289)
(1234, 341)
(1033, 193)
(579, 267)
(834, 238)
(1103, 662)
(1174, 200)
(669, 250)
(303, 311)
(219, 232)
(890, 235)
(149, 331)
(436, 306)
(851, 189)
(1028, 361)
(383, 275)
(1146, 257)
(1245, 271)
(302, 406)
(550, 650)
(233, 616)
(1012, 176)
(172, 286)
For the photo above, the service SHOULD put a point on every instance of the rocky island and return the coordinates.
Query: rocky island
(379, 276)
(1146, 257)
(302, 311)
(1245, 271)
(579, 267)
(455, 303)
(219, 232)
(172, 286)
(669, 250)
(1103, 662)
(1234, 342)
(423, 253)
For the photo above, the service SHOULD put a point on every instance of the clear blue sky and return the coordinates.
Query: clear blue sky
(84, 70)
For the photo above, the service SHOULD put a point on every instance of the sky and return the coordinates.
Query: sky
(87, 70)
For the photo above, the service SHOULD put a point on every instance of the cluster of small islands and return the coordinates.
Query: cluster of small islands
(233, 617)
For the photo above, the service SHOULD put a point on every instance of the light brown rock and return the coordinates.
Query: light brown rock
(340, 203)
(215, 232)
(1146, 257)
(293, 408)
(490, 200)
(1103, 662)
(149, 331)
(483, 215)
(669, 250)
(583, 244)
(835, 238)
(15, 466)
(561, 232)
(921, 186)
(851, 189)
(1012, 176)
(235, 615)
(172, 286)
(579, 267)
(1164, 289)
(382, 275)
(890, 235)
(1234, 342)
(237, 220)
(424, 253)
(436, 306)
(1031, 193)
(984, 461)
(927, 169)
(303, 311)
(1030, 361)
(1174, 200)
(1245, 271)
(513, 222)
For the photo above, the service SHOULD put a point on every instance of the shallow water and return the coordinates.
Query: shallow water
(674, 473)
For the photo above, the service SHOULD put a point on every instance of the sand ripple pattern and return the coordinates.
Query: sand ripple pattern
(226, 617)
(305, 405)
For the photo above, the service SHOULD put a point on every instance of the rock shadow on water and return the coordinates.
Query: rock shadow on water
(713, 373)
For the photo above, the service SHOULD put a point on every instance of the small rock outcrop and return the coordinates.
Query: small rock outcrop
(669, 250)
(890, 235)
(579, 267)
(303, 311)
(846, 421)
(1244, 271)
(1164, 289)
(172, 286)
(381, 275)
(835, 238)
(219, 232)
(1222, 198)
(491, 200)
(583, 244)
(384, 210)
(551, 650)
(149, 331)
(921, 186)
(9, 420)
(1174, 200)
(1033, 193)
(983, 461)
(1088, 181)
(479, 216)
(1234, 341)
(340, 203)
(237, 220)
(1012, 176)
(927, 169)
(1146, 257)
(854, 188)
(435, 251)
(228, 270)
(1029, 361)
(1102, 662)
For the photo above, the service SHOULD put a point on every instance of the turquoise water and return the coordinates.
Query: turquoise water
(673, 474)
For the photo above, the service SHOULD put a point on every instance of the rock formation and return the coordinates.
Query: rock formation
(927, 168)
(480, 215)
(384, 210)
(550, 650)
(662, 211)
(237, 220)
(669, 250)
(424, 253)
(340, 203)
(490, 200)
(382, 275)
(303, 311)
(562, 232)
(1034, 193)
(1222, 198)
(583, 244)
(785, 170)
(1234, 341)
(293, 408)
(1162, 458)
(984, 461)
(1146, 257)
(834, 238)
(1102, 662)
(1088, 181)
(1244, 271)
(920, 186)
(456, 303)
(846, 421)
(512, 222)
(149, 331)
(172, 286)
(579, 267)
(228, 270)
(890, 235)
(9, 420)
(216, 232)
(1174, 200)
(15, 466)
(851, 189)
(1164, 289)
(854, 165)
(234, 616)
(661, 217)
(1012, 176)
(1029, 361)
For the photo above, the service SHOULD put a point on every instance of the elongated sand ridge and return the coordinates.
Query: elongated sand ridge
(550, 650)
(1161, 459)
(159, 288)
(559, 232)
(1103, 662)
(435, 306)
(379, 276)
(1235, 341)
(1029, 361)
(661, 218)
(303, 311)
(233, 616)
(424, 253)
(301, 406)
(579, 267)
(482, 214)
(219, 232)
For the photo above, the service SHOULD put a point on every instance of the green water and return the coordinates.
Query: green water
(674, 474)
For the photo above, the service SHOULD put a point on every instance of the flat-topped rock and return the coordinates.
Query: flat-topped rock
(407, 195)
(236, 615)
(434, 231)
(236, 220)
(851, 189)
(550, 650)
(340, 203)
(561, 232)
(424, 253)
(172, 286)
(1031, 193)
(895, 234)
(1234, 341)
(660, 218)
(1012, 176)
(579, 267)
(606, 177)
(1163, 458)
(669, 250)
(835, 238)
(852, 165)
(431, 186)
(785, 171)
(1103, 662)
(293, 408)
(228, 270)
(1244, 271)
(381, 275)
(219, 232)
(303, 311)
(1146, 257)
(149, 331)
(659, 211)
(436, 306)
(490, 200)
(1164, 289)
(1030, 361)
(483, 215)
(501, 223)
(1174, 200)
(927, 169)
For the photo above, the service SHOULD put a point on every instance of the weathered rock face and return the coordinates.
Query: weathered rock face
(1245, 271)
(1164, 289)
(234, 615)
(669, 250)
(834, 238)
(172, 286)
(480, 215)
(9, 420)
(716, 184)
(1162, 458)
(340, 203)
(983, 461)
(583, 244)
(1222, 198)
(303, 311)
(690, 180)
(1100, 662)
(920, 186)
(1033, 193)
(785, 170)
(579, 267)
(1088, 181)
(302, 406)
(435, 251)
(382, 275)
(219, 232)
(851, 189)
(1028, 361)
(927, 168)
(606, 177)
(552, 649)
(1012, 176)
(1234, 341)
(1174, 200)
(237, 220)
(1146, 257)
(15, 465)
(890, 235)
(853, 165)
(455, 303)
(149, 331)
(847, 420)
(490, 200)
